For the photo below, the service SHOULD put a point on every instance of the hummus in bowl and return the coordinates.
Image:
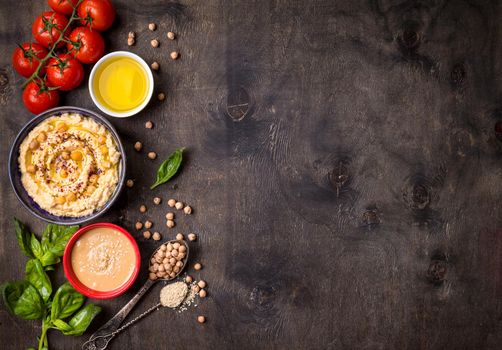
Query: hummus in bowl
(69, 163)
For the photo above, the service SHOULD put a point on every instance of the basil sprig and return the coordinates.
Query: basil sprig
(168, 168)
(33, 299)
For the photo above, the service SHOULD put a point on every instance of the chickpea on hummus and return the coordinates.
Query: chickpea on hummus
(69, 165)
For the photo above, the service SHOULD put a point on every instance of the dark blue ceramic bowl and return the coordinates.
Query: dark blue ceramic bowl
(15, 173)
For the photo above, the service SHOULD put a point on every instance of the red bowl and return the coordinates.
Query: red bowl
(83, 289)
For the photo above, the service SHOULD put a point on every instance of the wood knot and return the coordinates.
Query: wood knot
(238, 103)
(410, 38)
(371, 217)
(262, 298)
(417, 195)
(436, 274)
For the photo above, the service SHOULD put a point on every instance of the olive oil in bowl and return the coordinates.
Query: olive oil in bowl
(121, 84)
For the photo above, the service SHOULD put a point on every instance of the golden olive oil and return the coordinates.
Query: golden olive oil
(121, 84)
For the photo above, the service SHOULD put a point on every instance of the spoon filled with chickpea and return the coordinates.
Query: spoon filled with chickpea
(165, 264)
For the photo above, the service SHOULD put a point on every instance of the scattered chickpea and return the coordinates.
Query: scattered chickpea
(202, 293)
(129, 183)
(142, 209)
(192, 237)
(175, 55)
(197, 266)
(152, 155)
(34, 145)
(187, 210)
(188, 279)
(156, 236)
(180, 237)
(202, 284)
(147, 234)
(65, 155)
(171, 202)
(42, 137)
(196, 288)
(161, 96)
(149, 125)
(170, 223)
(201, 319)
(139, 225)
(155, 66)
(131, 38)
(138, 146)
(148, 224)
(170, 35)
(178, 205)
(157, 200)
(152, 26)
(154, 43)
(170, 216)
(71, 197)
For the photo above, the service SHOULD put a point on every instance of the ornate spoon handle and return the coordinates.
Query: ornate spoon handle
(114, 323)
(100, 342)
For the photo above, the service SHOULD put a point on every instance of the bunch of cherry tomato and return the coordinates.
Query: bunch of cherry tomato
(55, 61)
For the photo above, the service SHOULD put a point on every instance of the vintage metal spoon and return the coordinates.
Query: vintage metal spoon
(100, 339)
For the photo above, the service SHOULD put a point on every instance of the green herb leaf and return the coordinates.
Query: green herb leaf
(23, 238)
(82, 319)
(55, 237)
(49, 258)
(36, 247)
(65, 302)
(23, 300)
(62, 325)
(168, 168)
(36, 275)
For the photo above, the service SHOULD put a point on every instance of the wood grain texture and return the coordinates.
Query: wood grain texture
(343, 163)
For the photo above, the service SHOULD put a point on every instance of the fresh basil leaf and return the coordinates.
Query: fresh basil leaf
(49, 258)
(36, 275)
(62, 325)
(82, 319)
(23, 238)
(36, 247)
(23, 300)
(55, 237)
(65, 302)
(168, 168)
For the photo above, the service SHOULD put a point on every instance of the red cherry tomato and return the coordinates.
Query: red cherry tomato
(98, 14)
(38, 100)
(87, 45)
(45, 28)
(63, 6)
(65, 72)
(25, 59)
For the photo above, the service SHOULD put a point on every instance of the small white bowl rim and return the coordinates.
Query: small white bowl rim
(149, 74)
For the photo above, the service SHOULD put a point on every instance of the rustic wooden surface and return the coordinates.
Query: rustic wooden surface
(344, 164)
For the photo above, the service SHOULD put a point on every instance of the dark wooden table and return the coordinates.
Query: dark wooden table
(344, 162)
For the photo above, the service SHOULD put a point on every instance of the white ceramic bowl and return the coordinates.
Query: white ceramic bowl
(149, 75)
